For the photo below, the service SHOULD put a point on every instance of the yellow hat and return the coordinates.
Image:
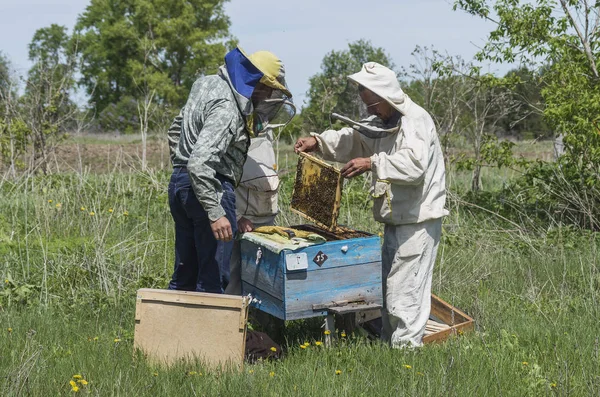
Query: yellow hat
(272, 69)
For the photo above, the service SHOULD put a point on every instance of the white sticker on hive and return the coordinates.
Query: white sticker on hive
(297, 261)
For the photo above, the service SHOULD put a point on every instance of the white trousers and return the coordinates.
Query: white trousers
(408, 256)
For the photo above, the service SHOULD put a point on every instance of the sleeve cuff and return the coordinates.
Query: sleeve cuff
(318, 139)
(215, 213)
(374, 161)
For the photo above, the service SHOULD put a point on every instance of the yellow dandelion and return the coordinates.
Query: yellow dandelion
(77, 376)
(327, 332)
(272, 374)
(275, 167)
(9, 330)
(92, 213)
(192, 373)
(75, 389)
(273, 349)
(343, 334)
(58, 205)
(461, 332)
(95, 338)
(49, 201)
(250, 371)
(525, 363)
(318, 343)
(302, 347)
(306, 344)
(155, 374)
(82, 208)
(83, 382)
(72, 383)
(338, 372)
(552, 384)
(125, 213)
(6, 281)
(117, 340)
(407, 366)
(110, 210)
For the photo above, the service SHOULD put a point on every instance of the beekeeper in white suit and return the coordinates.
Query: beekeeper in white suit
(398, 143)
(255, 199)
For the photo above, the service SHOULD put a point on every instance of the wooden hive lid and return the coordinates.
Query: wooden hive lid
(317, 192)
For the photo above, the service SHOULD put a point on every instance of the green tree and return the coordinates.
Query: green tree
(46, 106)
(171, 41)
(329, 90)
(528, 122)
(562, 38)
(13, 131)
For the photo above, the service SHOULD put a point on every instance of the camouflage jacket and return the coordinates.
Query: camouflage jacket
(209, 137)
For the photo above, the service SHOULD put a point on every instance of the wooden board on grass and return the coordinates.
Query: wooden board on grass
(182, 325)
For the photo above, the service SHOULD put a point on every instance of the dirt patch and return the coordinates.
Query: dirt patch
(100, 158)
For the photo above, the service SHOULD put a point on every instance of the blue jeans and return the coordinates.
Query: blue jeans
(223, 257)
(196, 266)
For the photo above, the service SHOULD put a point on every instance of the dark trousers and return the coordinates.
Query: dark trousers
(196, 266)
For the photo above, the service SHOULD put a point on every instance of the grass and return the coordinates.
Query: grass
(70, 276)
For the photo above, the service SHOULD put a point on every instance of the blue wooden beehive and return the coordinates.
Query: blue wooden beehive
(304, 282)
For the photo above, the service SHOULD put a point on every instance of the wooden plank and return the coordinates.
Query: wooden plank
(190, 297)
(446, 312)
(267, 275)
(351, 283)
(441, 336)
(357, 251)
(353, 308)
(169, 330)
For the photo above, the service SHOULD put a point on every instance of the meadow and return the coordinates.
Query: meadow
(76, 244)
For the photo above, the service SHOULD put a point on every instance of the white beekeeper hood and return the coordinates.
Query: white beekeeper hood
(383, 82)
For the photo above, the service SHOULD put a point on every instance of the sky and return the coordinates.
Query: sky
(300, 32)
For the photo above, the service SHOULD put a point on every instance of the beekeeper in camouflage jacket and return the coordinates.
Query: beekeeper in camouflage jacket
(208, 142)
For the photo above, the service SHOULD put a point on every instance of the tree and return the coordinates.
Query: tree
(46, 106)
(439, 82)
(189, 38)
(329, 90)
(13, 131)
(526, 89)
(562, 38)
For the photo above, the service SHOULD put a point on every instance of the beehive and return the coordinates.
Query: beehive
(305, 282)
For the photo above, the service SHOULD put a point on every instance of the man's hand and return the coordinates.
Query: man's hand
(245, 225)
(356, 167)
(221, 229)
(306, 144)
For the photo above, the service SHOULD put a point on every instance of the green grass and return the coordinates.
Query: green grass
(70, 277)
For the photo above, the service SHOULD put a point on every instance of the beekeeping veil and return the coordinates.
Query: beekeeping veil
(383, 82)
(245, 72)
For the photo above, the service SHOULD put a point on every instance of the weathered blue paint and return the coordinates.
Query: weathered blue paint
(361, 282)
(352, 272)
(268, 303)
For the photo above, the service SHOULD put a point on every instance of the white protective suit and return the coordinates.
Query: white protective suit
(255, 197)
(409, 197)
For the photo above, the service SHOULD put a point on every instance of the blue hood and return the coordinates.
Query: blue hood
(243, 75)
